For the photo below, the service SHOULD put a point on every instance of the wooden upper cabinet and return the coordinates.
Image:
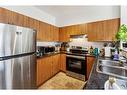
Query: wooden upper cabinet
(37, 28)
(2, 15)
(103, 30)
(26, 21)
(63, 36)
(20, 19)
(73, 30)
(48, 32)
(91, 31)
(83, 28)
(52, 30)
(95, 31)
(56, 34)
(111, 27)
(41, 34)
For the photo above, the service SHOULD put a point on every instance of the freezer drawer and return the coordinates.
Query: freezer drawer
(15, 40)
(18, 73)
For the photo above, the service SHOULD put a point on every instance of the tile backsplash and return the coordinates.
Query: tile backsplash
(46, 43)
(84, 43)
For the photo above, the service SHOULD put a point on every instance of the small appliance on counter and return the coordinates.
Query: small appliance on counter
(64, 46)
(57, 47)
(44, 50)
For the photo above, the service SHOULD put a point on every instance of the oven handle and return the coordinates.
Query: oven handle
(77, 57)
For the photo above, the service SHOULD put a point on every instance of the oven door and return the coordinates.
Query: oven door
(76, 64)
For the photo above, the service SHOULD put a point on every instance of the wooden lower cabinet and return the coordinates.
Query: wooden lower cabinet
(62, 63)
(55, 64)
(46, 68)
(89, 64)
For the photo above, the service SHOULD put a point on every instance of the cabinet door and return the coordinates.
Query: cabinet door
(26, 21)
(76, 29)
(91, 32)
(111, 27)
(20, 19)
(83, 28)
(40, 71)
(41, 34)
(3, 16)
(63, 36)
(52, 33)
(48, 64)
(95, 31)
(55, 64)
(44, 70)
(56, 34)
(48, 32)
(62, 62)
(37, 28)
(32, 23)
(90, 62)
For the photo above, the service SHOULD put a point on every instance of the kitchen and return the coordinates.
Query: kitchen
(68, 53)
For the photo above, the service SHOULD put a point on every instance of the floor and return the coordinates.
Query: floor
(62, 81)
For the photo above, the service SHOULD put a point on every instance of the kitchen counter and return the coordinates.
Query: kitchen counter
(52, 54)
(96, 80)
(61, 52)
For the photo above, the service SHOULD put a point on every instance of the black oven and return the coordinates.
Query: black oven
(76, 66)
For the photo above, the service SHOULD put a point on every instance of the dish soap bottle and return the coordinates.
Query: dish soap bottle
(116, 55)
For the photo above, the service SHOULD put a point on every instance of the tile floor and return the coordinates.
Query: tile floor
(62, 81)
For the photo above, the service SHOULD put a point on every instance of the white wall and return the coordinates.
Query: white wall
(34, 13)
(124, 15)
(90, 14)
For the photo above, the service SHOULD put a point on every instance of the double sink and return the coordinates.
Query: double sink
(116, 69)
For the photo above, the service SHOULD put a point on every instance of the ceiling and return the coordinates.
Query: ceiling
(76, 14)
(58, 11)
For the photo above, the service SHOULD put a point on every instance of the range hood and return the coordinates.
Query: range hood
(78, 38)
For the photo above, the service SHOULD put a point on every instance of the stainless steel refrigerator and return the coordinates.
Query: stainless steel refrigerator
(17, 57)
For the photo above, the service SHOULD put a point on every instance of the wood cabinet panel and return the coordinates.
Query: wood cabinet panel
(52, 34)
(47, 67)
(44, 70)
(91, 31)
(48, 32)
(55, 64)
(10, 17)
(40, 76)
(26, 21)
(45, 32)
(62, 62)
(63, 36)
(56, 34)
(3, 15)
(90, 62)
(103, 30)
(20, 19)
(111, 27)
(83, 28)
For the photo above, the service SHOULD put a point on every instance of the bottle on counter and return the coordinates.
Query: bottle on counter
(91, 50)
(116, 55)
